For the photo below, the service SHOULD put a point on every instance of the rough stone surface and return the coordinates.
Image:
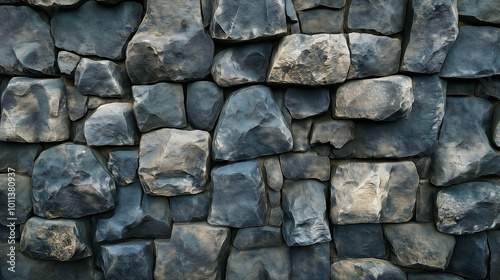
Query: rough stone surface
(67, 62)
(20, 157)
(487, 87)
(276, 217)
(368, 268)
(274, 198)
(308, 165)
(487, 11)
(301, 129)
(334, 132)
(309, 4)
(21, 186)
(264, 263)
(359, 241)
(382, 16)
(123, 166)
(460, 87)
(77, 103)
(433, 276)
(128, 260)
(470, 256)
(310, 262)
(303, 103)
(494, 244)
(112, 79)
(424, 207)
(321, 21)
(274, 176)
(258, 237)
(190, 208)
(496, 125)
(203, 104)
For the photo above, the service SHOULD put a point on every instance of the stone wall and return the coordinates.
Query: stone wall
(245, 139)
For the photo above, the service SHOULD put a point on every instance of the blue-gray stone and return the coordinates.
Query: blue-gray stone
(461, 87)
(133, 259)
(274, 176)
(475, 11)
(303, 102)
(77, 103)
(190, 208)
(123, 166)
(113, 81)
(310, 262)
(276, 217)
(359, 241)
(309, 4)
(307, 165)
(203, 104)
(21, 204)
(424, 207)
(67, 62)
(20, 157)
(494, 245)
(470, 256)
(487, 87)
(321, 21)
(433, 276)
(334, 132)
(274, 197)
(386, 17)
(264, 263)
(301, 129)
(367, 268)
(258, 237)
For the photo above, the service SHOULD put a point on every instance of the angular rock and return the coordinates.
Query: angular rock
(77, 134)
(54, 4)
(274, 198)
(264, 263)
(60, 239)
(203, 104)
(274, 176)
(250, 125)
(470, 256)
(321, 21)
(77, 103)
(206, 10)
(112, 79)
(81, 30)
(494, 244)
(174, 162)
(123, 260)
(20, 186)
(34, 110)
(258, 237)
(413, 243)
(176, 49)
(433, 276)
(368, 268)
(424, 207)
(246, 64)
(310, 262)
(304, 205)
(386, 17)
(159, 105)
(306, 165)
(276, 217)
(69, 181)
(311, 60)
(291, 14)
(359, 241)
(123, 166)
(238, 195)
(461, 87)
(300, 132)
(190, 208)
(195, 251)
(373, 55)
(486, 11)
(379, 99)
(20, 157)
(496, 125)
(334, 132)
(309, 4)
(423, 166)
(366, 192)
(67, 62)
(303, 103)
(487, 87)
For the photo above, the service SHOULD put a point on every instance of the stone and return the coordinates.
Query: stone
(160, 105)
(310, 60)
(69, 181)
(274, 176)
(203, 104)
(34, 110)
(77, 103)
(174, 162)
(264, 263)
(122, 260)
(378, 99)
(470, 256)
(20, 204)
(359, 241)
(309, 4)
(295, 28)
(190, 208)
(77, 134)
(440, 16)
(307, 165)
(123, 166)
(301, 129)
(494, 244)
(464, 152)
(367, 268)
(385, 17)
(59, 239)
(433, 276)
(487, 87)
(468, 208)
(479, 11)
(423, 167)
(473, 54)
(195, 251)
(258, 237)
(245, 64)
(177, 49)
(304, 205)
(250, 125)
(373, 56)
(310, 262)
(274, 198)
(415, 136)
(112, 124)
(81, 30)
(496, 125)
(276, 217)
(412, 245)
(95, 102)
(260, 20)
(334, 132)
(303, 102)
(22, 54)
(20, 157)
(424, 207)
(321, 21)
(113, 81)
(67, 62)
(460, 87)
(291, 14)
(370, 192)
(206, 10)
(238, 195)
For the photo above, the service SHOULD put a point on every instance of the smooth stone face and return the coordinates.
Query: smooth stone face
(195, 251)
(23, 37)
(77, 103)
(176, 49)
(379, 99)
(20, 157)
(123, 166)
(132, 259)
(327, 61)
(20, 185)
(67, 62)
(238, 195)
(264, 263)
(308, 165)
(245, 64)
(373, 55)
(321, 21)
(487, 87)
(424, 208)
(190, 208)
(69, 181)
(308, 4)
(310, 262)
(494, 244)
(334, 132)
(274, 198)
(203, 104)
(301, 129)
(419, 245)
(304, 102)
(250, 125)
(468, 208)
(81, 30)
(276, 217)
(274, 176)
(258, 237)
(433, 276)
(159, 105)
(382, 16)
(359, 241)
(60, 239)
(34, 110)
(368, 268)
(470, 256)
(77, 134)
(304, 205)
(487, 11)
(113, 81)
(174, 162)
(365, 192)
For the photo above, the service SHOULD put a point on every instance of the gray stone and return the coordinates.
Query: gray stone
(494, 244)
(382, 16)
(203, 104)
(195, 251)
(369, 192)
(433, 276)
(487, 87)
(77, 103)
(309, 4)
(264, 263)
(259, 19)
(34, 110)
(19, 206)
(250, 125)
(123, 166)
(132, 259)
(206, 11)
(77, 134)
(311, 60)
(190, 208)
(304, 205)
(276, 217)
(274, 198)
(304, 102)
(245, 64)
(373, 55)
(485, 11)
(310, 262)
(307, 165)
(26, 46)
(496, 125)
(378, 99)
(473, 54)
(159, 105)
(468, 208)
(112, 79)
(67, 62)
(174, 162)
(419, 245)
(177, 49)
(424, 207)
(461, 87)
(291, 14)
(359, 241)
(321, 21)
(334, 132)
(368, 268)
(423, 167)
(238, 195)
(295, 28)
(415, 136)
(258, 237)
(59, 239)
(20, 157)
(470, 256)
(301, 129)
(94, 102)
(69, 181)
(274, 176)
(81, 30)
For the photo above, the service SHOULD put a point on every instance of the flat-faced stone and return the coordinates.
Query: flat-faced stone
(113, 81)
(264, 263)
(470, 256)
(321, 21)
(382, 16)
(276, 217)
(54, 4)
(485, 11)
(274, 176)
(334, 132)
(301, 129)
(132, 259)
(18, 206)
(67, 62)
(309, 4)
(190, 208)
(306, 102)
(307, 165)
(123, 166)
(487, 87)
(359, 241)
(310, 262)
(203, 104)
(367, 268)
(258, 237)
(20, 157)
(77, 103)
(424, 207)
(274, 197)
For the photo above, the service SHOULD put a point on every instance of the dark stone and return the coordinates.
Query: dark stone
(359, 241)
(494, 244)
(300, 132)
(20, 157)
(309, 4)
(470, 256)
(21, 204)
(334, 132)
(423, 167)
(485, 11)
(67, 62)
(433, 276)
(321, 21)
(274, 176)
(113, 81)
(203, 104)
(461, 87)
(368, 268)
(77, 103)
(258, 237)
(276, 217)
(487, 87)
(274, 198)
(264, 263)
(307, 165)
(304, 102)
(190, 208)
(310, 262)
(123, 166)
(206, 10)
(132, 259)
(291, 14)
(496, 125)
(424, 207)
(77, 134)
(386, 17)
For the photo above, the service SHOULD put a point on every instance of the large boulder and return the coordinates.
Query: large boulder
(122, 260)
(483, 11)
(368, 268)
(470, 256)
(264, 263)
(385, 17)
(102, 78)
(204, 101)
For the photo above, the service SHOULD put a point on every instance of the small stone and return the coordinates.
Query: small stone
(206, 10)
(77, 134)
(264, 263)
(307, 165)
(123, 166)
(496, 125)
(274, 198)
(190, 208)
(309, 4)
(20, 157)
(486, 11)
(321, 21)
(276, 217)
(334, 132)
(20, 185)
(424, 208)
(310, 262)
(359, 241)
(258, 237)
(203, 104)
(295, 28)
(102, 78)
(273, 173)
(303, 103)
(368, 268)
(385, 17)
(67, 62)
(300, 132)
(122, 260)
(487, 87)
(494, 244)
(433, 276)
(470, 256)
(77, 103)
